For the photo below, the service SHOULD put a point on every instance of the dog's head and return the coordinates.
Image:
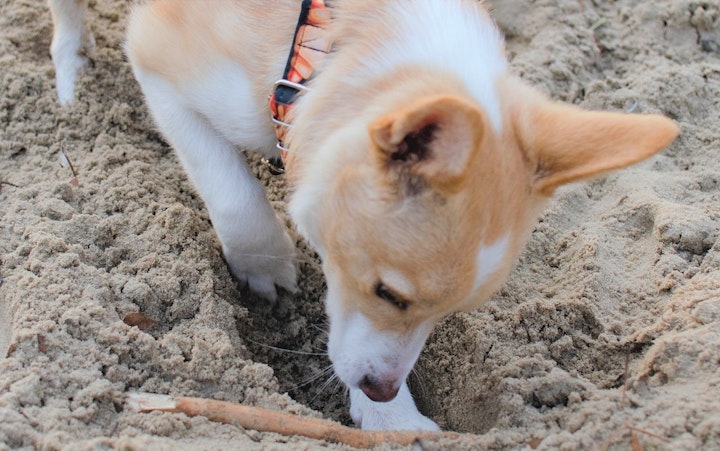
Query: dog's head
(428, 203)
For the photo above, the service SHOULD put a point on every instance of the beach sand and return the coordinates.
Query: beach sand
(606, 335)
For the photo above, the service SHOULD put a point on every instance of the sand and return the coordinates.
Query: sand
(610, 321)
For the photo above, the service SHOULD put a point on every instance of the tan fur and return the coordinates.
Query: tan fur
(510, 177)
(183, 42)
(460, 129)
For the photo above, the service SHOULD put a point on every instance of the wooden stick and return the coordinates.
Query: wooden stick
(268, 420)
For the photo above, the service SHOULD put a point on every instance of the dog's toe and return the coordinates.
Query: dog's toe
(264, 274)
(263, 286)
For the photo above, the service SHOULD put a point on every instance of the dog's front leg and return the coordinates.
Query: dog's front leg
(397, 414)
(255, 243)
(71, 39)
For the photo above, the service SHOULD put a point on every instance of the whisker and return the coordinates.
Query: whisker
(323, 326)
(278, 257)
(291, 351)
(417, 374)
(324, 333)
(331, 387)
(340, 385)
(324, 386)
(312, 378)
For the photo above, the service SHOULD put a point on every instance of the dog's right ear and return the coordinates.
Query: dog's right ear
(428, 143)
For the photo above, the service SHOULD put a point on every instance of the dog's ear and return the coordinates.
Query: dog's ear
(570, 144)
(428, 143)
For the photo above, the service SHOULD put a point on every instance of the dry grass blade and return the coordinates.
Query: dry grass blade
(635, 444)
(267, 420)
(64, 162)
(633, 107)
(651, 434)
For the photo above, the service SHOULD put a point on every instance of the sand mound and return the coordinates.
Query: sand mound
(611, 318)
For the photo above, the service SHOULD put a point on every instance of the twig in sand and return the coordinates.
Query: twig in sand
(623, 399)
(3, 182)
(65, 161)
(268, 420)
(635, 444)
(42, 343)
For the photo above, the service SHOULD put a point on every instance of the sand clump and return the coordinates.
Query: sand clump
(621, 272)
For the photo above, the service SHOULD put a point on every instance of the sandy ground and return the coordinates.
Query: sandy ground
(609, 322)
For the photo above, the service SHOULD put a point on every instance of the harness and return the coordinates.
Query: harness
(309, 46)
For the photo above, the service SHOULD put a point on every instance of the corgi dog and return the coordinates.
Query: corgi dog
(418, 162)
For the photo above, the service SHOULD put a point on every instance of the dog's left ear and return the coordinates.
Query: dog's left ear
(571, 144)
(428, 143)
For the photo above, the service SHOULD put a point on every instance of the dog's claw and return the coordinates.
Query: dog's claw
(264, 287)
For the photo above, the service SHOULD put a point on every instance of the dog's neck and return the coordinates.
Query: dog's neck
(310, 45)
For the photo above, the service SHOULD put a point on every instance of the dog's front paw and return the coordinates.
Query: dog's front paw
(264, 283)
(397, 414)
(264, 269)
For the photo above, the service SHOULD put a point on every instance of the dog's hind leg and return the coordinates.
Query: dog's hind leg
(255, 243)
(72, 44)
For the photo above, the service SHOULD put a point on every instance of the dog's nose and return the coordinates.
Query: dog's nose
(378, 391)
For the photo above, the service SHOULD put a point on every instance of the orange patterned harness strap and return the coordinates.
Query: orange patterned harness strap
(310, 45)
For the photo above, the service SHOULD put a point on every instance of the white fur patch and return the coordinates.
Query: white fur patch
(457, 36)
(397, 282)
(489, 259)
(224, 96)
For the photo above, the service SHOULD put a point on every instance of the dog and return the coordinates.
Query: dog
(418, 163)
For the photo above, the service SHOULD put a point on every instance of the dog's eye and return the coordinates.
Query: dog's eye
(384, 293)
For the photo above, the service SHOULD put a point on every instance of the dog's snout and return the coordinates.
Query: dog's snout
(377, 390)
